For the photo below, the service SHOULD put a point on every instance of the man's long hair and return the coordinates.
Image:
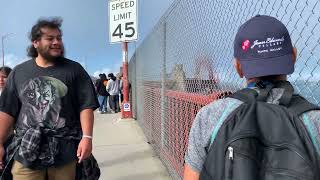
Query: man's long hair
(35, 34)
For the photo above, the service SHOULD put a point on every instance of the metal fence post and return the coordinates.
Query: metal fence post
(163, 86)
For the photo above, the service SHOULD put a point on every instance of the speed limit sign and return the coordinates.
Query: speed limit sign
(123, 20)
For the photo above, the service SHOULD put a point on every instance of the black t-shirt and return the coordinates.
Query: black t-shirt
(51, 98)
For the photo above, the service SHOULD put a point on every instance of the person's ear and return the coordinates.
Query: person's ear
(35, 43)
(237, 65)
(294, 54)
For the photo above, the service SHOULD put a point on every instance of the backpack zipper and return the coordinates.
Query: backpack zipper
(293, 149)
(287, 173)
(235, 150)
(284, 146)
(230, 154)
(230, 150)
(229, 165)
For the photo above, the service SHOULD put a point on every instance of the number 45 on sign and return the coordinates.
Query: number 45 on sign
(123, 20)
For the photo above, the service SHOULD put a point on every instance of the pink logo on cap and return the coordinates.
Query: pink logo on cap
(245, 45)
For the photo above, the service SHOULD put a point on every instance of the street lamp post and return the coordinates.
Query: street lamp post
(2, 45)
(2, 38)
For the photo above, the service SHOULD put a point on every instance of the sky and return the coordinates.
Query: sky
(85, 29)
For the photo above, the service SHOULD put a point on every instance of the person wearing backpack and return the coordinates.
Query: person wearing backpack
(102, 93)
(264, 131)
(113, 89)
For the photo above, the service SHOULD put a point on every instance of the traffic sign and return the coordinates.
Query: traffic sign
(123, 20)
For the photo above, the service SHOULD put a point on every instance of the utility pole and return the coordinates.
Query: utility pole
(124, 30)
(2, 38)
(126, 105)
(2, 45)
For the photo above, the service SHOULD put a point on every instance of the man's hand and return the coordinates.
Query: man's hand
(85, 145)
(2, 152)
(84, 149)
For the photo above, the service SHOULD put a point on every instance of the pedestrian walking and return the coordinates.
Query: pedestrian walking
(49, 100)
(102, 93)
(4, 73)
(113, 88)
(264, 131)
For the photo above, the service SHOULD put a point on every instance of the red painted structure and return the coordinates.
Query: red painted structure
(126, 109)
(181, 109)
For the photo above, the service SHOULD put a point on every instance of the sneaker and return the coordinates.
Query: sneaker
(100, 112)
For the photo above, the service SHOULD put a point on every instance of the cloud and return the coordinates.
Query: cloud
(12, 60)
(115, 69)
(104, 70)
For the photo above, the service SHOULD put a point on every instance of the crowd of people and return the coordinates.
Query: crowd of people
(109, 92)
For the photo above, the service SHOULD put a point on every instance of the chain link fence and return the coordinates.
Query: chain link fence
(186, 63)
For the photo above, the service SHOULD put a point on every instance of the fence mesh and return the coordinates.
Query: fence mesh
(186, 63)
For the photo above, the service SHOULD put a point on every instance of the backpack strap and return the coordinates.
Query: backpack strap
(246, 95)
(287, 94)
(249, 95)
(264, 92)
(300, 105)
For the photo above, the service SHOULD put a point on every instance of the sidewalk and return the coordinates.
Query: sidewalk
(122, 151)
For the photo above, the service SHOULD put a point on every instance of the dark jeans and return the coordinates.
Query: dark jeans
(103, 102)
(114, 103)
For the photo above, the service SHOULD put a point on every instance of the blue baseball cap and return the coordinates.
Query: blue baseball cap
(263, 47)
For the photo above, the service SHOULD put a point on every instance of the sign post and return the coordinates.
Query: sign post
(126, 105)
(123, 28)
(123, 20)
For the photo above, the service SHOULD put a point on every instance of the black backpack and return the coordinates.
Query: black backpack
(101, 89)
(263, 141)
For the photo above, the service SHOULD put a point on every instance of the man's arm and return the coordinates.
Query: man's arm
(85, 145)
(204, 125)
(190, 174)
(6, 122)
